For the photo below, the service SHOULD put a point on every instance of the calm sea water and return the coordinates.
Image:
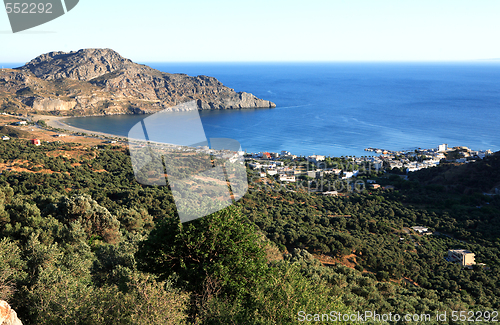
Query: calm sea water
(341, 108)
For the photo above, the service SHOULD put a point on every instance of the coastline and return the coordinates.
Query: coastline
(57, 122)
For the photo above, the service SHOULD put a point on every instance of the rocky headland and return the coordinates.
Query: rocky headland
(102, 82)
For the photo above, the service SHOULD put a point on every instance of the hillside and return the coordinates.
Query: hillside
(82, 241)
(14, 132)
(479, 177)
(101, 81)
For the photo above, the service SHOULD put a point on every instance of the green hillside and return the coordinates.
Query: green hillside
(87, 244)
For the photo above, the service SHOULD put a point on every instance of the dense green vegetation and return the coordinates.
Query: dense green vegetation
(372, 231)
(87, 244)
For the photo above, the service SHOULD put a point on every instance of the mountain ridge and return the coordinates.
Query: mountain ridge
(102, 82)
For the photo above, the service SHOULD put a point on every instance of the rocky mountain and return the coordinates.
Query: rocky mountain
(101, 81)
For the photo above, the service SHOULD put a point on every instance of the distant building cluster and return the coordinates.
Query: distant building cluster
(408, 161)
(411, 161)
(281, 166)
(286, 174)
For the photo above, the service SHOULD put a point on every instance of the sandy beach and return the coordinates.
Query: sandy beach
(58, 122)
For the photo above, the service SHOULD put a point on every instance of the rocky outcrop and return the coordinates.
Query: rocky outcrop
(82, 65)
(51, 104)
(100, 81)
(7, 315)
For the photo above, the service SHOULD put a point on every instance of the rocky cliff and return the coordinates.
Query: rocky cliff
(7, 315)
(100, 81)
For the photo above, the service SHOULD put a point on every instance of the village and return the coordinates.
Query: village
(287, 167)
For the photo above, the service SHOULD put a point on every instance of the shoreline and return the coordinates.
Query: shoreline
(57, 122)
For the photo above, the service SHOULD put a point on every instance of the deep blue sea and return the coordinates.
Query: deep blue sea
(341, 108)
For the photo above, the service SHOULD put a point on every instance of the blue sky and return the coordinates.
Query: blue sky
(271, 30)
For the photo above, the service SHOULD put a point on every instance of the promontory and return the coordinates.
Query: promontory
(102, 82)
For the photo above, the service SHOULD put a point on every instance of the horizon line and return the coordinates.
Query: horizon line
(496, 60)
(326, 61)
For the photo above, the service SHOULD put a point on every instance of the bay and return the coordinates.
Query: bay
(341, 108)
